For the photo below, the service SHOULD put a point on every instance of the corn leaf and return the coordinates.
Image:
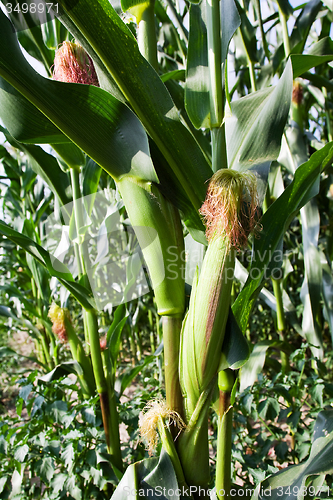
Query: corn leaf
(235, 348)
(53, 265)
(24, 121)
(312, 284)
(289, 483)
(254, 365)
(255, 127)
(197, 74)
(302, 63)
(294, 154)
(107, 125)
(116, 47)
(274, 223)
(143, 477)
(197, 77)
(327, 291)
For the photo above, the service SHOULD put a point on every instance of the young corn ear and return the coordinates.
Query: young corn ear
(156, 422)
(156, 412)
(73, 65)
(230, 214)
(62, 327)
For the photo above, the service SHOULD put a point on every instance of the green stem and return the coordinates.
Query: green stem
(285, 34)
(53, 344)
(226, 380)
(278, 293)
(280, 316)
(252, 76)
(46, 349)
(224, 445)
(108, 405)
(95, 349)
(113, 424)
(86, 378)
(215, 63)
(267, 427)
(171, 338)
(281, 321)
(147, 35)
(261, 27)
(328, 117)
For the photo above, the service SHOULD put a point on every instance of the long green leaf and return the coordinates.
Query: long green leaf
(294, 153)
(53, 265)
(312, 284)
(235, 348)
(197, 78)
(92, 118)
(23, 120)
(142, 477)
(289, 483)
(254, 365)
(327, 291)
(302, 63)
(116, 47)
(274, 222)
(254, 128)
(197, 74)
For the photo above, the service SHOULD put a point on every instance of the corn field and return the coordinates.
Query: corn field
(166, 248)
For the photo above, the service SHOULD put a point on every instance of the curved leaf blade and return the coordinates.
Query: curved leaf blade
(23, 120)
(255, 127)
(197, 77)
(274, 222)
(288, 483)
(115, 45)
(53, 265)
(109, 133)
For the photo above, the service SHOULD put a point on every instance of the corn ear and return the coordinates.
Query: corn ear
(229, 210)
(204, 327)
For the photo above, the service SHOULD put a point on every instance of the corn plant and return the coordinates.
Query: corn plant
(190, 153)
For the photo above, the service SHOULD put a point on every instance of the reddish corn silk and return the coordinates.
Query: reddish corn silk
(102, 343)
(231, 207)
(73, 65)
(297, 95)
(58, 315)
